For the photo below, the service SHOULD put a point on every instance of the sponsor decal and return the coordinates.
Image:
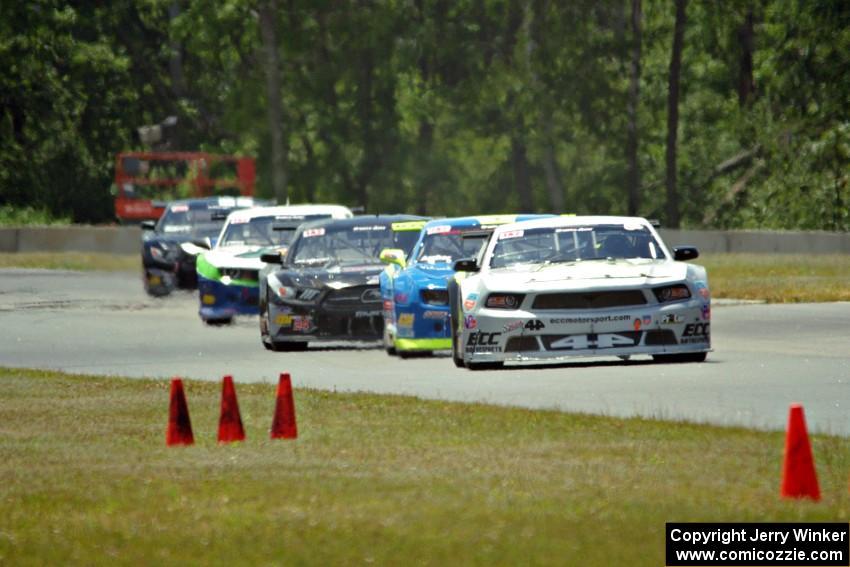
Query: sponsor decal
(575, 229)
(435, 314)
(595, 319)
(208, 299)
(388, 305)
(647, 320)
(511, 234)
(302, 323)
(695, 333)
(512, 326)
(372, 280)
(706, 312)
(283, 320)
(310, 232)
(632, 226)
(469, 302)
(696, 330)
(405, 320)
(637, 324)
(154, 280)
(401, 297)
(470, 322)
(179, 208)
(591, 341)
(535, 325)
(366, 314)
(440, 229)
(672, 319)
(407, 225)
(239, 220)
(371, 227)
(482, 339)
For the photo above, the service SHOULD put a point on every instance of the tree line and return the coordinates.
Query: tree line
(723, 114)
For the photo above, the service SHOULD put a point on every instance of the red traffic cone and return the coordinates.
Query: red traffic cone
(229, 422)
(179, 425)
(283, 424)
(799, 479)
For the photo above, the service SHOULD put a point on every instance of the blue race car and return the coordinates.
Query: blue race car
(414, 290)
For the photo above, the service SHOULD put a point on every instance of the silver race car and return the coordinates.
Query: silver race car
(552, 289)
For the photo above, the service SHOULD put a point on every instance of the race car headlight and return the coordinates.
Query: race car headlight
(678, 292)
(278, 289)
(504, 300)
(158, 253)
(435, 296)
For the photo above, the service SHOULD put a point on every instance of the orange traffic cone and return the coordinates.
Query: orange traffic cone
(229, 422)
(179, 425)
(283, 424)
(799, 479)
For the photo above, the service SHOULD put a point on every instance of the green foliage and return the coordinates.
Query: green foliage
(440, 107)
(29, 216)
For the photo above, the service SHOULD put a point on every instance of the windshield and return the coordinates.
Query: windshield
(193, 222)
(575, 244)
(448, 245)
(348, 244)
(258, 231)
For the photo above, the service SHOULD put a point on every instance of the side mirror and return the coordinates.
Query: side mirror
(685, 253)
(393, 256)
(271, 258)
(466, 265)
(202, 243)
(148, 225)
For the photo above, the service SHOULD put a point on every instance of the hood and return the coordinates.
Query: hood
(436, 273)
(620, 273)
(244, 257)
(336, 276)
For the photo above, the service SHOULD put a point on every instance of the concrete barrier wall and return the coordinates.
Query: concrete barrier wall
(127, 240)
(108, 239)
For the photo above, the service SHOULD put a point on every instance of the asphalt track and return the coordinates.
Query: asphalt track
(765, 357)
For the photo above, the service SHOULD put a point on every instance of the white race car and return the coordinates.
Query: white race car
(552, 289)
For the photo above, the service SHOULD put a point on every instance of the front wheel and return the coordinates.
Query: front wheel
(219, 322)
(455, 318)
(684, 357)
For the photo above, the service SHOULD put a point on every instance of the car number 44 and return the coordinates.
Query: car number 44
(581, 342)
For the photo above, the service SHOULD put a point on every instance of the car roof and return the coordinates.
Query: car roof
(363, 220)
(336, 211)
(574, 220)
(483, 220)
(222, 201)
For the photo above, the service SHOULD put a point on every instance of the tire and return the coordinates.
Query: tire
(454, 322)
(219, 322)
(391, 351)
(677, 358)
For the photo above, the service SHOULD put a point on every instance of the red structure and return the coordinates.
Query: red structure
(146, 180)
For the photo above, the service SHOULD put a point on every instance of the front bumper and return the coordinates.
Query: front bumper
(320, 322)
(493, 335)
(220, 300)
(420, 328)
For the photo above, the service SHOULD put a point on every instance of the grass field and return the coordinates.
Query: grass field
(71, 261)
(375, 480)
(776, 278)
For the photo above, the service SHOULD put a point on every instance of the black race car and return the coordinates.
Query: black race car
(326, 287)
(170, 246)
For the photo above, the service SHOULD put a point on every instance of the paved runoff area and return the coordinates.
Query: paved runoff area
(765, 357)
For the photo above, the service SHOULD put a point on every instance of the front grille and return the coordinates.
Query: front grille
(589, 300)
(345, 326)
(354, 295)
(657, 337)
(435, 296)
(519, 344)
(240, 274)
